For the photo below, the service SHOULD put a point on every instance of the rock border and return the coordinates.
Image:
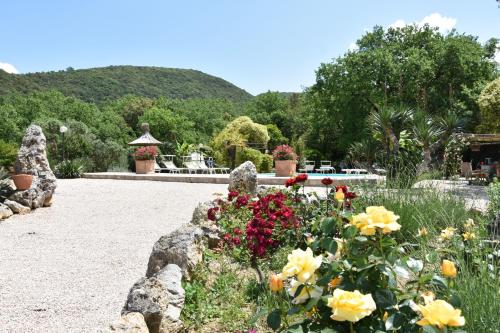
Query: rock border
(154, 303)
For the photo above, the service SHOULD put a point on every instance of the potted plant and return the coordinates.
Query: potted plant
(285, 161)
(145, 159)
(22, 179)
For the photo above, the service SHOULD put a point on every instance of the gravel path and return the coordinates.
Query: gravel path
(68, 268)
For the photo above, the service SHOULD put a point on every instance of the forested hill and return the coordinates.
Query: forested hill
(109, 83)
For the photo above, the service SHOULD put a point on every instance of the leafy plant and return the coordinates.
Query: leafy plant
(68, 169)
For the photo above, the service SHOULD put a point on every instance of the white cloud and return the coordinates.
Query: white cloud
(437, 20)
(353, 47)
(497, 57)
(398, 24)
(443, 23)
(8, 68)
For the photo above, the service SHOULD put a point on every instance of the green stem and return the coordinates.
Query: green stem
(351, 328)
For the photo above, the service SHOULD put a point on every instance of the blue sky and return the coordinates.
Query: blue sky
(256, 44)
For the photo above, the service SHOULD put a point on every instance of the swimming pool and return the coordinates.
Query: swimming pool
(321, 175)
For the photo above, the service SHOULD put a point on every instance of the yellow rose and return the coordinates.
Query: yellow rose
(422, 232)
(302, 264)
(275, 282)
(364, 224)
(447, 233)
(383, 219)
(440, 313)
(350, 306)
(308, 291)
(448, 269)
(468, 235)
(339, 195)
(428, 296)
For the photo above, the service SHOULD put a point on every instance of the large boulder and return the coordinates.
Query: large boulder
(5, 211)
(16, 207)
(32, 159)
(132, 322)
(7, 188)
(159, 299)
(243, 179)
(183, 247)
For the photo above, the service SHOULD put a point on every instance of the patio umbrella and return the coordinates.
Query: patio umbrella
(146, 139)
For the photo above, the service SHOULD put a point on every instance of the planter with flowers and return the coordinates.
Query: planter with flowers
(285, 161)
(145, 159)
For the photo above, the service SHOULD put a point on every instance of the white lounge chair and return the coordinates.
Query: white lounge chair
(166, 163)
(326, 167)
(308, 167)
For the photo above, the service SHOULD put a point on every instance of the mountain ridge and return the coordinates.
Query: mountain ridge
(100, 84)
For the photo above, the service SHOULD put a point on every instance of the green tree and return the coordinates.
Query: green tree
(489, 103)
(412, 66)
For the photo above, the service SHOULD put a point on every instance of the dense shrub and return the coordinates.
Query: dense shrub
(267, 163)
(68, 169)
(249, 154)
(494, 196)
(8, 154)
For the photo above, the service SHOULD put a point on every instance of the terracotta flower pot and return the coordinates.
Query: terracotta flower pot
(22, 181)
(285, 168)
(144, 166)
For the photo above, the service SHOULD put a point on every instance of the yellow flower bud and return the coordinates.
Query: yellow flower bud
(339, 195)
(275, 282)
(422, 232)
(386, 315)
(428, 296)
(448, 269)
(469, 224)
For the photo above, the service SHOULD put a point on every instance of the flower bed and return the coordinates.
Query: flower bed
(334, 263)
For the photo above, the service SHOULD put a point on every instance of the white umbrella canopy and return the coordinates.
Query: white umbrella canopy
(146, 139)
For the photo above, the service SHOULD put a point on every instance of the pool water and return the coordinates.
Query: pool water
(320, 175)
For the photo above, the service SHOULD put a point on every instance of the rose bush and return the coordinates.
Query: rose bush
(347, 269)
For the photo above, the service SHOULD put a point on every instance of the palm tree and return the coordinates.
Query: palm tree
(365, 151)
(387, 124)
(426, 131)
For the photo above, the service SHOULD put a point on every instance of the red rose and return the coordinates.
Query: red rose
(211, 213)
(237, 231)
(350, 195)
(301, 178)
(342, 187)
(326, 181)
(290, 182)
(236, 240)
(232, 195)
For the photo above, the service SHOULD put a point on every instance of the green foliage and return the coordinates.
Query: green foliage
(166, 125)
(489, 104)
(249, 154)
(276, 138)
(240, 133)
(8, 154)
(493, 191)
(110, 83)
(267, 163)
(412, 66)
(68, 169)
(453, 155)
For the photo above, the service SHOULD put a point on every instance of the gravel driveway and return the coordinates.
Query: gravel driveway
(68, 268)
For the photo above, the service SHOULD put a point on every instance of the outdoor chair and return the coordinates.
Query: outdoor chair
(199, 161)
(308, 167)
(326, 167)
(166, 163)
